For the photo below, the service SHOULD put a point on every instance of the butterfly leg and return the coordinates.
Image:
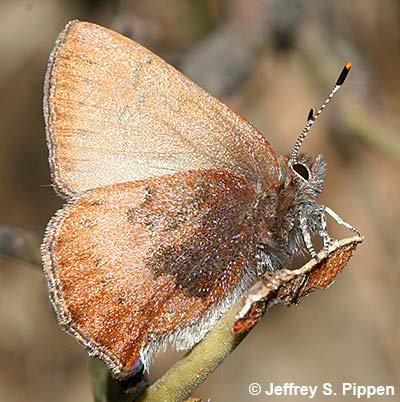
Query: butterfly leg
(307, 235)
(264, 261)
(323, 232)
(341, 221)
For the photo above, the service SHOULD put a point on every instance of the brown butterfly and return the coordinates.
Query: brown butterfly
(174, 203)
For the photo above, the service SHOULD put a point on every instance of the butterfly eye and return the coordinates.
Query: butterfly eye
(301, 170)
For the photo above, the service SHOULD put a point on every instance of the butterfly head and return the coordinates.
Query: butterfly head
(305, 176)
(301, 181)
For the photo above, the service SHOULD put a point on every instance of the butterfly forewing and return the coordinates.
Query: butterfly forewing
(115, 112)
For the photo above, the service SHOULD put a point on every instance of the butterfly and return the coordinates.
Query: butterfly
(174, 204)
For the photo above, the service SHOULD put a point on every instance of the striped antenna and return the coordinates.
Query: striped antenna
(312, 116)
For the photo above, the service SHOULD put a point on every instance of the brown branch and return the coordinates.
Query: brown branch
(189, 372)
(20, 244)
(185, 376)
(371, 129)
(224, 57)
(105, 388)
(280, 287)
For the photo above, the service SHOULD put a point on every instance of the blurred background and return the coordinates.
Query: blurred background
(271, 61)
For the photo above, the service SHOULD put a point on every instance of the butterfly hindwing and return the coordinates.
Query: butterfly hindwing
(135, 266)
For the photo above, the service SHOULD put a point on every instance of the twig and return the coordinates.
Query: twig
(105, 388)
(19, 243)
(281, 287)
(188, 373)
(371, 131)
(225, 56)
(366, 127)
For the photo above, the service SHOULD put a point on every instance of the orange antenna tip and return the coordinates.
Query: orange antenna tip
(343, 74)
